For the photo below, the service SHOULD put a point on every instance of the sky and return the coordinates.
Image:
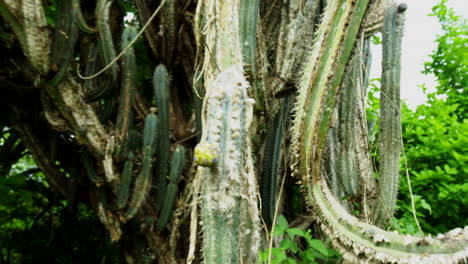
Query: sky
(419, 38)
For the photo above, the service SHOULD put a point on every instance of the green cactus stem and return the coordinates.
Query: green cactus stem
(80, 20)
(161, 99)
(106, 50)
(248, 19)
(177, 166)
(356, 240)
(125, 180)
(144, 178)
(229, 209)
(390, 128)
(272, 162)
(168, 18)
(128, 82)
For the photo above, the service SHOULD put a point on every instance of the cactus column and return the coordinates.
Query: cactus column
(229, 206)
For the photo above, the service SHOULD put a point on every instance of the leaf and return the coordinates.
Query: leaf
(289, 244)
(426, 206)
(282, 223)
(279, 254)
(295, 232)
(319, 246)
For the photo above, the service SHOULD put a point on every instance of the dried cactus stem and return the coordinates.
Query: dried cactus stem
(161, 99)
(229, 208)
(390, 130)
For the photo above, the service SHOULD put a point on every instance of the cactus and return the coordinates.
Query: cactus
(311, 53)
(177, 166)
(80, 20)
(106, 50)
(125, 179)
(143, 180)
(229, 209)
(272, 162)
(124, 116)
(168, 20)
(161, 99)
(65, 36)
(390, 131)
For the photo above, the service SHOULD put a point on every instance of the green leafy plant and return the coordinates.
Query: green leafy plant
(297, 246)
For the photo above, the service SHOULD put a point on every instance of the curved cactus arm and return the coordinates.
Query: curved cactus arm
(80, 20)
(229, 210)
(106, 49)
(390, 131)
(359, 241)
(355, 239)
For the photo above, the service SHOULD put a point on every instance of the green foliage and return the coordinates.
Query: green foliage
(36, 226)
(436, 143)
(436, 138)
(291, 249)
(449, 62)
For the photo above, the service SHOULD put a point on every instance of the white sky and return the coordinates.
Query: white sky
(418, 43)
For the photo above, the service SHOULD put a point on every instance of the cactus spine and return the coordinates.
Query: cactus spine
(161, 98)
(229, 208)
(390, 131)
(177, 166)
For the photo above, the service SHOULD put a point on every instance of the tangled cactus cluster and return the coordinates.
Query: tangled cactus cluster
(275, 88)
